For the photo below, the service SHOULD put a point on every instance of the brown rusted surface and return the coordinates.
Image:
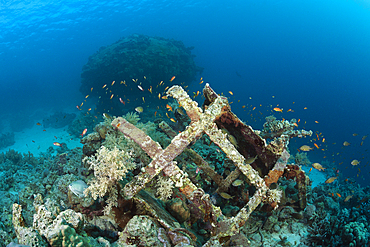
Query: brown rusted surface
(294, 172)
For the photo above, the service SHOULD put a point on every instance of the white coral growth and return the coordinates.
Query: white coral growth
(109, 167)
(164, 187)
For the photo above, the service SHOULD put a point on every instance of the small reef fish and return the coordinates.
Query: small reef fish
(83, 132)
(140, 87)
(225, 195)
(355, 134)
(139, 109)
(237, 182)
(111, 96)
(305, 148)
(330, 180)
(113, 83)
(150, 89)
(277, 109)
(346, 143)
(250, 160)
(339, 195)
(104, 85)
(295, 124)
(232, 139)
(169, 107)
(231, 93)
(159, 96)
(363, 138)
(121, 100)
(355, 162)
(316, 145)
(107, 116)
(38, 124)
(318, 166)
(310, 170)
(173, 120)
(180, 111)
(348, 198)
(172, 78)
(57, 144)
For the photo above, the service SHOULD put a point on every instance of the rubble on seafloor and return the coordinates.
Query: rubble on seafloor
(261, 200)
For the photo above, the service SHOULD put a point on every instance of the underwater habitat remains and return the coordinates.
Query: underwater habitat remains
(153, 154)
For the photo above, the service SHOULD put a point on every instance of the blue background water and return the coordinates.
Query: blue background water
(313, 53)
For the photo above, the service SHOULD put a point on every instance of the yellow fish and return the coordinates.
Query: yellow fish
(225, 195)
(139, 109)
(232, 139)
(278, 109)
(237, 183)
(231, 93)
(346, 143)
(305, 148)
(330, 180)
(250, 160)
(318, 166)
(355, 162)
(348, 198)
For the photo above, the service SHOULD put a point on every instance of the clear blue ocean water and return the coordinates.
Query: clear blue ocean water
(269, 53)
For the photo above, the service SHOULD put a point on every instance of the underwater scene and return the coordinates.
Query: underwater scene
(184, 123)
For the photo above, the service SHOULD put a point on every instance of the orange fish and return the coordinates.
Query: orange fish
(38, 124)
(231, 93)
(253, 108)
(173, 78)
(339, 195)
(310, 170)
(173, 120)
(83, 132)
(289, 110)
(121, 100)
(164, 97)
(111, 96)
(298, 120)
(305, 108)
(155, 114)
(316, 145)
(295, 124)
(243, 106)
(113, 83)
(169, 107)
(278, 109)
(316, 121)
(57, 144)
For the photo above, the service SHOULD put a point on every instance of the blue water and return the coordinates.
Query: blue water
(313, 53)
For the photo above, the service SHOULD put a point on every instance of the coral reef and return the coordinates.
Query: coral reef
(217, 183)
(144, 59)
(6, 140)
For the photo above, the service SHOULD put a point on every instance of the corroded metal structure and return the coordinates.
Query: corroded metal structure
(271, 159)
